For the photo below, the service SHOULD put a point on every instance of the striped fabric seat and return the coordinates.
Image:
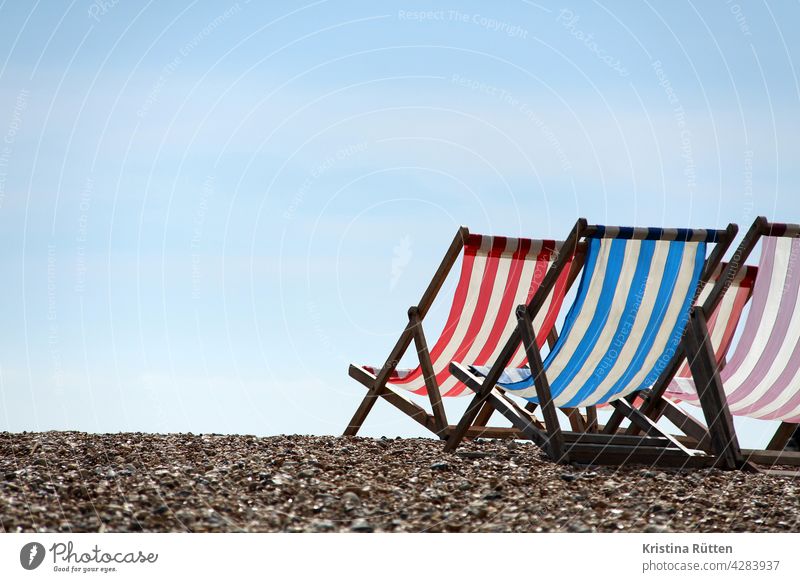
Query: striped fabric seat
(626, 322)
(497, 274)
(762, 378)
(721, 326)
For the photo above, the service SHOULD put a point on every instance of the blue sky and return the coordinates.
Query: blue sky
(208, 210)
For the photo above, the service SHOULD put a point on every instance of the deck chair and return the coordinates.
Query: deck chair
(761, 379)
(497, 273)
(622, 331)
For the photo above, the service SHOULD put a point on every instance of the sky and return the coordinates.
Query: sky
(209, 209)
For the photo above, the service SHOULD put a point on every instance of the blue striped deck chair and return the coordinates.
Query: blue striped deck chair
(620, 335)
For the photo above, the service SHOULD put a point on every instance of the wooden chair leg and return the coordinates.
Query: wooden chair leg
(591, 419)
(555, 437)
(613, 423)
(617, 417)
(781, 437)
(576, 420)
(702, 363)
(378, 387)
(457, 434)
(484, 415)
(361, 413)
(434, 395)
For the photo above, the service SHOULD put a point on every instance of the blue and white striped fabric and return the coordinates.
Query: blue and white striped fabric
(625, 324)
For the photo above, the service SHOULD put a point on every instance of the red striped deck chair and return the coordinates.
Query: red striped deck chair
(761, 379)
(497, 273)
(621, 334)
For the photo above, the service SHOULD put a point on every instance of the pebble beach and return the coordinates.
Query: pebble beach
(128, 482)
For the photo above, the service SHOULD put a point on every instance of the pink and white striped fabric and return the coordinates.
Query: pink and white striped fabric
(721, 325)
(497, 274)
(762, 378)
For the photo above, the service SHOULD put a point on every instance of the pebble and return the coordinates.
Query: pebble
(321, 525)
(361, 526)
(654, 528)
(350, 501)
(579, 528)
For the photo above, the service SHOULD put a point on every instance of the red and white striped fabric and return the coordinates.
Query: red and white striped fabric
(497, 274)
(721, 325)
(762, 378)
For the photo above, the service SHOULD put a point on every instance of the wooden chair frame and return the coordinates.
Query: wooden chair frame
(655, 447)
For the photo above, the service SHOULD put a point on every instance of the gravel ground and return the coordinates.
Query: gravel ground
(67, 481)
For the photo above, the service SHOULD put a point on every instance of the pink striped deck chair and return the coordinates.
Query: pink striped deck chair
(497, 274)
(761, 379)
